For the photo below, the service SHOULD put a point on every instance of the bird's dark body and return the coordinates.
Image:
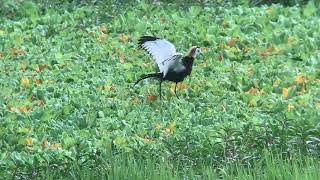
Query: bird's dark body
(173, 75)
(179, 76)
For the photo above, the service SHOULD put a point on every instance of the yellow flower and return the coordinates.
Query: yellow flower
(123, 38)
(146, 140)
(181, 86)
(276, 83)
(102, 37)
(162, 20)
(299, 79)
(44, 144)
(37, 82)
(122, 57)
(171, 125)
(167, 131)
(318, 104)
(158, 126)
(226, 46)
(252, 91)
(269, 10)
(253, 103)
(135, 100)
(170, 128)
(103, 29)
(285, 92)
(28, 141)
(291, 40)
(205, 49)
(23, 109)
(37, 69)
(2, 32)
(24, 82)
(290, 106)
(55, 145)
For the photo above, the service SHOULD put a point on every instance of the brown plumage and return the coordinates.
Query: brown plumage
(192, 51)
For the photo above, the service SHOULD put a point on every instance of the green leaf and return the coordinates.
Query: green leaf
(194, 10)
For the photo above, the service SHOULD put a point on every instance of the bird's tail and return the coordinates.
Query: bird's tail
(145, 76)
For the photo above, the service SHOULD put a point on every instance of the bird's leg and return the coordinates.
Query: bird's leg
(160, 89)
(175, 90)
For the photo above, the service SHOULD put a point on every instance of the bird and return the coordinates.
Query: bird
(173, 66)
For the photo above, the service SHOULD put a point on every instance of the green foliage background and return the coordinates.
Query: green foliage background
(67, 71)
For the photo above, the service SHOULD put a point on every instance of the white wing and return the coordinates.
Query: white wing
(160, 49)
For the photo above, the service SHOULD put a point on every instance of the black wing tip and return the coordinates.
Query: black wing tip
(144, 39)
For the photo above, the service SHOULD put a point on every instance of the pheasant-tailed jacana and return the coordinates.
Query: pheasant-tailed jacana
(173, 66)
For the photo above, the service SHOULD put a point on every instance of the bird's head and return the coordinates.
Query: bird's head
(194, 51)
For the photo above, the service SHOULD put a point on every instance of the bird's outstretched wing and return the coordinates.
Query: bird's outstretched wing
(161, 50)
(173, 63)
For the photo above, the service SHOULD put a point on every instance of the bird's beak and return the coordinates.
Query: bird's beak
(201, 54)
(202, 57)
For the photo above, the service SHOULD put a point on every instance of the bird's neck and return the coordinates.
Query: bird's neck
(187, 61)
